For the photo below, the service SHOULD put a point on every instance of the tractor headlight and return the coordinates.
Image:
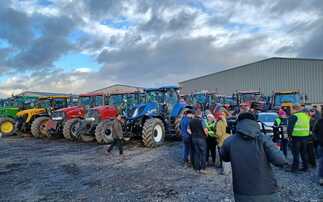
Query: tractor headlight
(90, 119)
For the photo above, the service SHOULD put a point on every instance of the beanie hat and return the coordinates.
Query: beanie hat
(246, 115)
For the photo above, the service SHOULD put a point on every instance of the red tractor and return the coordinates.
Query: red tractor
(97, 120)
(62, 120)
(251, 99)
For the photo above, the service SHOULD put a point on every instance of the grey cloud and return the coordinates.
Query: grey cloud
(15, 27)
(313, 46)
(180, 57)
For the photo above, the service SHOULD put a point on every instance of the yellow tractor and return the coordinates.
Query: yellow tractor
(35, 120)
(286, 99)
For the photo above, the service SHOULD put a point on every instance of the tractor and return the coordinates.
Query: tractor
(252, 99)
(93, 127)
(156, 117)
(63, 120)
(35, 120)
(10, 107)
(286, 99)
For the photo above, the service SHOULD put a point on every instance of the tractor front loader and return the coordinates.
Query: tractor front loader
(35, 120)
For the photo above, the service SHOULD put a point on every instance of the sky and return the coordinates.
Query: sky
(75, 46)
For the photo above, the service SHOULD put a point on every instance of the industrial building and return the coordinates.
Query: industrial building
(119, 88)
(266, 75)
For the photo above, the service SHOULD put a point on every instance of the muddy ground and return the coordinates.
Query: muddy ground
(59, 170)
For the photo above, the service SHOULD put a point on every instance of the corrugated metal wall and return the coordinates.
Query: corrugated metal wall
(267, 75)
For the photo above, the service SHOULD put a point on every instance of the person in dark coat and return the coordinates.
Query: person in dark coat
(318, 133)
(251, 153)
(117, 134)
(198, 130)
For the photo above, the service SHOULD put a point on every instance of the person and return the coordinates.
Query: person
(117, 134)
(317, 112)
(312, 143)
(251, 153)
(221, 134)
(198, 130)
(187, 140)
(318, 133)
(298, 130)
(211, 140)
(280, 131)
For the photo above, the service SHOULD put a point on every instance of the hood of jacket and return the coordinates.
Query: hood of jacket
(248, 129)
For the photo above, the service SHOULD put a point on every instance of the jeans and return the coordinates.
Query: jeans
(187, 145)
(320, 149)
(118, 143)
(284, 146)
(299, 148)
(200, 147)
(211, 147)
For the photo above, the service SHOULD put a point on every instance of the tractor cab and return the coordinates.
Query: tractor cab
(126, 101)
(287, 99)
(252, 99)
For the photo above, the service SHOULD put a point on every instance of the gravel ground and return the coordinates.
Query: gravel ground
(59, 170)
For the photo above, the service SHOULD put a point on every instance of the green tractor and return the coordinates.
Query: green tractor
(8, 110)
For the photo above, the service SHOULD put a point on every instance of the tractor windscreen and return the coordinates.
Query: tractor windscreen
(116, 100)
(85, 101)
(154, 96)
(229, 100)
(59, 103)
(200, 98)
(287, 98)
(131, 100)
(98, 100)
(250, 97)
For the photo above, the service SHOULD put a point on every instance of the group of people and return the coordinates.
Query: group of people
(250, 151)
(302, 131)
(203, 139)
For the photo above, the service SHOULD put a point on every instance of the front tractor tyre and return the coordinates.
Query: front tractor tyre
(7, 126)
(153, 133)
(71, 127)
(39, 127)
(103, 132)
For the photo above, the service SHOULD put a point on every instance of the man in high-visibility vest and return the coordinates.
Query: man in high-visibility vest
(299, 131)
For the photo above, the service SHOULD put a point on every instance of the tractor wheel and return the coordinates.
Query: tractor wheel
(7, 126)
(103, 132)
(153, 133)
(39, 127)
(87, 138)
(70, 128)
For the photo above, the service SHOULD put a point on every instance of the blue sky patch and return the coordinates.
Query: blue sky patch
(74, 61)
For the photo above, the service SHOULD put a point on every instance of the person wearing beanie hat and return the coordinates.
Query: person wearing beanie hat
(251, 153)
(117, 134)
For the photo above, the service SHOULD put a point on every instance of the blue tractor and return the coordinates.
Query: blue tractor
(156, 117)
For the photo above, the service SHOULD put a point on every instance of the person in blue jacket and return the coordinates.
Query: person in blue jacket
(186, 137)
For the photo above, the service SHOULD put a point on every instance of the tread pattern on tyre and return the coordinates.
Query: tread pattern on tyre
(100, 136)
(87, 138)
(12, 121)
(67, 128)
(35, 129)
(148, 132)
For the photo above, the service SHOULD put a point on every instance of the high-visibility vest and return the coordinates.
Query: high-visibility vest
(302, 126)
(211, 128)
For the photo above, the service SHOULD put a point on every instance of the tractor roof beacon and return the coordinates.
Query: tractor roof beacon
(156, 117)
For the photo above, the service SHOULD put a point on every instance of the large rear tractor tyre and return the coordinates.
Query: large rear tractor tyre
(70, 128)
(39, 127)
(7, 126)
(103, 132)
(153, 133)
